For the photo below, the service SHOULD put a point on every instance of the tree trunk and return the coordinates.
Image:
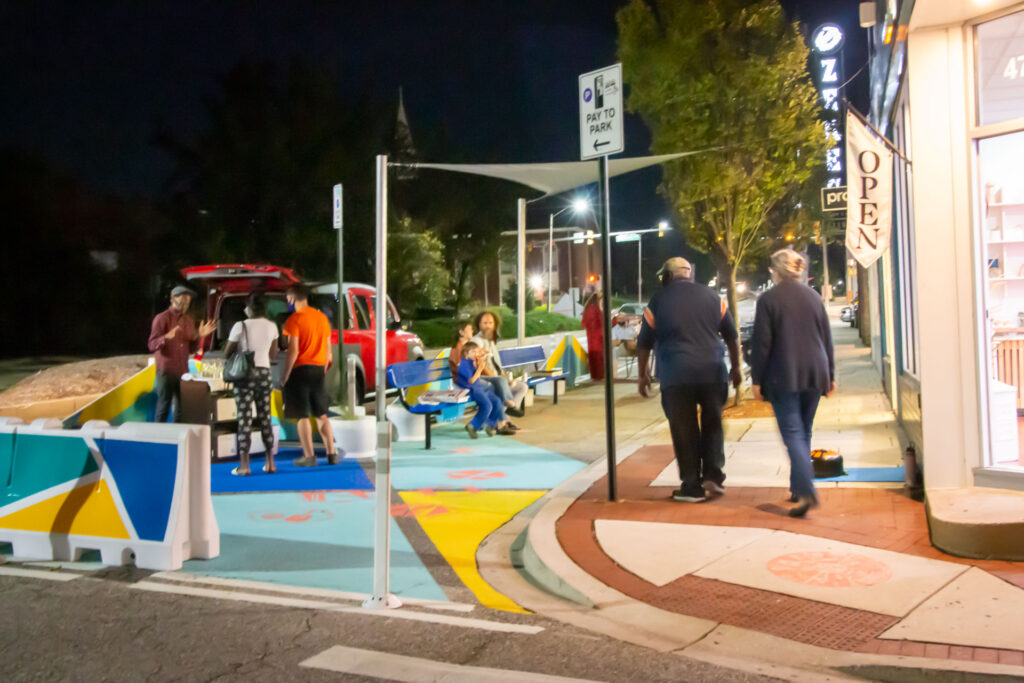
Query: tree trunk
(730, 293)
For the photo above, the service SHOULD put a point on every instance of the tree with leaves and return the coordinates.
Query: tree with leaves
(730, 77)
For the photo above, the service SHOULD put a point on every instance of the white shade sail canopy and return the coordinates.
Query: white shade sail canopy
(554, 178)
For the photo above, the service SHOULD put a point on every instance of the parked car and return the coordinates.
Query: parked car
(631, 312)
(849, 314)
(227, 286)
(746, 337)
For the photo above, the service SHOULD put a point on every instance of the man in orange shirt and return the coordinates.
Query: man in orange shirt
(309, 355)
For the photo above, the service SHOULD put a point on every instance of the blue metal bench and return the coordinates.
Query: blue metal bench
(412, 378)
(530, 355)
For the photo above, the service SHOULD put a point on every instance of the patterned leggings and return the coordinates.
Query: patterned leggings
(257, 389)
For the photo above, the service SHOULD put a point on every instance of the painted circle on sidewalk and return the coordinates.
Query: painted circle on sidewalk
(830, 570)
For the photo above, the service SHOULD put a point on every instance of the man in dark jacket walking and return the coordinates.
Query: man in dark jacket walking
(685, 323)
(172, 339)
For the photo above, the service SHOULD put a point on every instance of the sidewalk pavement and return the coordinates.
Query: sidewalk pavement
(856, 587)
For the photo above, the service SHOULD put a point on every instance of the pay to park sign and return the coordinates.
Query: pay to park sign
(601, 112)
(869, 193)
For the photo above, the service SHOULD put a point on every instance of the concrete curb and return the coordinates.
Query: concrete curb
(620, 616)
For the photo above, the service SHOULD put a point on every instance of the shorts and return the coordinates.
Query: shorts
(305, 393)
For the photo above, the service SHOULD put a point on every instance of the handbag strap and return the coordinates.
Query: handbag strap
(245, 335)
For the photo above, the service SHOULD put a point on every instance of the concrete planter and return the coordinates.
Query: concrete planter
(355, 438)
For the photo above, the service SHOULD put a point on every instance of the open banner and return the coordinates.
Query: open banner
(869, 193)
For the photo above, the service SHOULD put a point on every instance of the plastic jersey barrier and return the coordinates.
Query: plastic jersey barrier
(136, 493)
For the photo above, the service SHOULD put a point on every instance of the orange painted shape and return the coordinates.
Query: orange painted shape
(830, 570)
(85, 511)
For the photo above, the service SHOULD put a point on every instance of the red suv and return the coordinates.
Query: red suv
(227, 286)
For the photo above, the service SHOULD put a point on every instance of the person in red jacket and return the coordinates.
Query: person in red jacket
(593, 323)
(172, 339)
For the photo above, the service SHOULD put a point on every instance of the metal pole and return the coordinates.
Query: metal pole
(606, 323)
(342, 303)
(826, 289)
(551, 247)
(521, 274)
(639, 269)
(569, 283)
(382, 597)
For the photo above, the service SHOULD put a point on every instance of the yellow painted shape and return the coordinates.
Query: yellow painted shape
(120, 398)
(458, 521)
(555, 356)
(85, 511)
(412, 394)
(277, 404)
(578, 348)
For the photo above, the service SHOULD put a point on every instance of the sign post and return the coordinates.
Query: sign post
(601, 114)
(342, 299)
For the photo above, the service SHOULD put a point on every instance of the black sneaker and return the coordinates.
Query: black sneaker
(713, 489)
(689, 495)
(515, 412)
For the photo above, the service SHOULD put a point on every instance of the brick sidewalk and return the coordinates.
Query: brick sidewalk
(874, 517)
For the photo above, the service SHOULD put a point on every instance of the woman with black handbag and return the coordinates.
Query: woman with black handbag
(255, 337)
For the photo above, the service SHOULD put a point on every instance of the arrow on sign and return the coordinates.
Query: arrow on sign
(601, 144)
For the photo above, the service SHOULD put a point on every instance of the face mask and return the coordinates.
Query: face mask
(249, 312)
(291, 306)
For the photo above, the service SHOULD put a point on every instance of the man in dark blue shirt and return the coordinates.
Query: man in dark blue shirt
(685, 323)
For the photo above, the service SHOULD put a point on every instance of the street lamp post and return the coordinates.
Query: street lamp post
(578, 206)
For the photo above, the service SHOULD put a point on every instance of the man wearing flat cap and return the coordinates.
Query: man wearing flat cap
(685, 323)
(172, 339)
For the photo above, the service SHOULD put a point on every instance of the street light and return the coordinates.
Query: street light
(579, 205)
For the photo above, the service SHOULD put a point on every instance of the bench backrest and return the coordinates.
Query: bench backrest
(521, 355)
(418, 372)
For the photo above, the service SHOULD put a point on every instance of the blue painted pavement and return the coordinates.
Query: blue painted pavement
(496, 462)
(315, 539)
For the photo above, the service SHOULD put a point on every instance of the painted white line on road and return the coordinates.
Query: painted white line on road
(38, 574)
(237, 596)
(394, 667)
(299, 590)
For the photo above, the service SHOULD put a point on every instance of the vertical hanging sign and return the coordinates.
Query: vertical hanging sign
(869, 193)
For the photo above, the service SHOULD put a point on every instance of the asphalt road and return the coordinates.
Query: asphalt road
(100, 628)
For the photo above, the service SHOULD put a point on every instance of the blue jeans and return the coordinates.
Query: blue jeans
(500, 385)
(794, 413)
(489, 408)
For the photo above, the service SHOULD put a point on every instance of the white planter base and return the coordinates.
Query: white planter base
(355, 439)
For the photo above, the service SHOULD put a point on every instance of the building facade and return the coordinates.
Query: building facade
(947, 88)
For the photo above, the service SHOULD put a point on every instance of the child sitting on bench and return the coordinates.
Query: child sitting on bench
(490, 412)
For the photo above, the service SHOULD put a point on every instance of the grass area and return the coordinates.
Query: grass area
(438, 332)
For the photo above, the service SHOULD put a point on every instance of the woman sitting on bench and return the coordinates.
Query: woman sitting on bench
(490, 412)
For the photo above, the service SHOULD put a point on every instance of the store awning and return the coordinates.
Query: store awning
(554, 178)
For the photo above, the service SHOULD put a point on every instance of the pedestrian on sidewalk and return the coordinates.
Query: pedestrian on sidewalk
(304, 373)
(792, 366)
(685, 323)
(258, 335)
(593, 322)
(172, 339)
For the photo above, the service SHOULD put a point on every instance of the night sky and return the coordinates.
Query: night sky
(85, 84)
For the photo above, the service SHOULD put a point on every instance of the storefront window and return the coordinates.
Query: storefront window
(1000, 69)
(1002, 215)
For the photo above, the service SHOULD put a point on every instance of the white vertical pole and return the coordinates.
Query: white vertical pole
(382, 597)
(521, 274)
(639, 269)
(551, 252)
